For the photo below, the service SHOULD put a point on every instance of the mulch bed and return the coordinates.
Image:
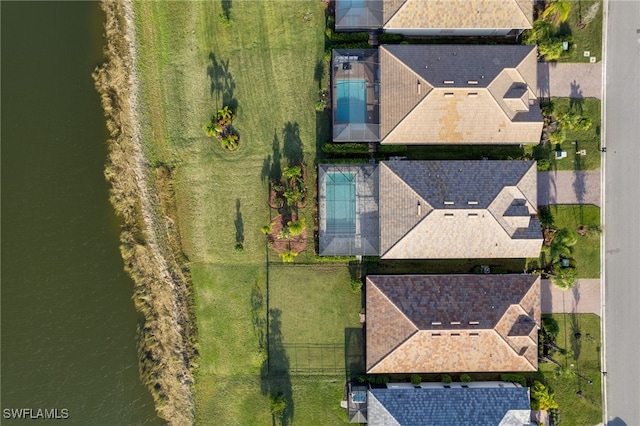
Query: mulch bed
(548, 235)
(297, 243)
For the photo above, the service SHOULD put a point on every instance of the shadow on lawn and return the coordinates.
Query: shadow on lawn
(221, 82)
(239, 224)
(276, 378)
(292, 148)
(354, 361)
(226, 8)
(271, 165)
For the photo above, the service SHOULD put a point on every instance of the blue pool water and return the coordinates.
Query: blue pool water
(341, 203)
(351, 105)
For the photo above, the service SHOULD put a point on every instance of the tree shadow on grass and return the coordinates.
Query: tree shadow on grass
(354, 360)
(222, 84)
(276, 377)
(226, 8)
(576, 98)
(272, 164)
(292, 149)
(239, 224)
(318, 73)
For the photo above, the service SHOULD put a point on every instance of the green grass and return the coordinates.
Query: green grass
(587, 38)
(267, 62)
(583, 355)
(586, 252)
(589, 140)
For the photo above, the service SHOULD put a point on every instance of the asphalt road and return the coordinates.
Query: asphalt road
(622, 213)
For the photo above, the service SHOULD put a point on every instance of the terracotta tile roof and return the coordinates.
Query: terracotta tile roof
(458, 14)
(458, 209)
(452, 323)
(459, 94)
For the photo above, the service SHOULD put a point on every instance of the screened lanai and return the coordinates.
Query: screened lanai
(358, 15)
(355, 76)
(348, 210)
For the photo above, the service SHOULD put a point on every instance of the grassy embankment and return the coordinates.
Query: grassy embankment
(583, 38)
(150, 245)
(265, 61)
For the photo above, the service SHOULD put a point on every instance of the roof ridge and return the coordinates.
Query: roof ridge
(526, 17)
(395, 348)
(394, 13)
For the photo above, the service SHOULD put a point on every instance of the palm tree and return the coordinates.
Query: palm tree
(297, 227)
(557, 12)
(541, 30)
(562, 243)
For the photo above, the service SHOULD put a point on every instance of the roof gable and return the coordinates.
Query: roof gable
(439, 407)
(464, 323)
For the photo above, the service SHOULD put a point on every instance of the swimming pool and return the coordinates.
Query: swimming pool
(340, 203)
(351, 106)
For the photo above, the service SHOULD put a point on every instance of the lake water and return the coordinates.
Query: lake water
(68, 321)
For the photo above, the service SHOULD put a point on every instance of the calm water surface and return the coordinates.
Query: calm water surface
(68, 322)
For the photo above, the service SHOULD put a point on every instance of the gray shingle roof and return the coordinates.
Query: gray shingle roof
(444, 407)
(458, 209)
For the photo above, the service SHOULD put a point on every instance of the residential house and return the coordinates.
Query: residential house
(430, 209)
(434, 404)
(436, 17)
(452, 323)
(436, 94)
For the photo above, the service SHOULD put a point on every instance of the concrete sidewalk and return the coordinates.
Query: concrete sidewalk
(569, 187)
(570, 80)
(584, 298)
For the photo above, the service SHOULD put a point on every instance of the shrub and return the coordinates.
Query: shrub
(541, 397)
(278, 405)
(545, 215)
(292, 172)
(416, 379)
(445, 378)
(267, 229)
(321, 105)
(551, 49)
(465, 378)
(392, 149)
(239, 247)
(297, 227)
(345, 148)
(390, 38)
(356, 285)
(288, 256)
(518, 378)
(557, 136)
(544, 165)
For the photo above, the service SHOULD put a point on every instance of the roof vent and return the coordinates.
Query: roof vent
(455, 322)
(436, 323)
(419, 88)
(472, 203)
(473, 215)
(474, 334)
(448, 215)
(449, 203)
(472, 82)
(455, 334)
(435, 334)
(474, 322)
(472, 94)
(419, 208)
(448, 95)
(449, 82)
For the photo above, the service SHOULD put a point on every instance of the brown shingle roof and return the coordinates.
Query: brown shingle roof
(467, 94)
(447, 323)
(467, 209)
(457, 14)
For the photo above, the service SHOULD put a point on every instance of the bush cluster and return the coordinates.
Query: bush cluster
(518, 378)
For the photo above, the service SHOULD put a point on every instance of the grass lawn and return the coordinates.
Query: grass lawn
(588, 38)
(266, 62)
(586, 252)
(589, 140)
(582, 357)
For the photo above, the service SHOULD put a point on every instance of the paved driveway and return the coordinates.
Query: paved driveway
(569, 187)
(583, 298)
(570, 80)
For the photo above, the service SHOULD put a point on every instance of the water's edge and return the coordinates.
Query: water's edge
(149, 244)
